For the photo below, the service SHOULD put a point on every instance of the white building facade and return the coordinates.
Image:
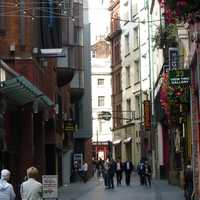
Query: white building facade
(101, 101)
(132, 136)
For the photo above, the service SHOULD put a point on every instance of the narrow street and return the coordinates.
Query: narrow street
(94, 190)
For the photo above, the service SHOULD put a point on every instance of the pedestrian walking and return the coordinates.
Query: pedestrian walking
(128, 169)
(105, 173)
(111, 173)
(85, 172)
(119, 171)
(141, 172)
(148, 173)
(6, 189)
(31, 189)
(188, 179)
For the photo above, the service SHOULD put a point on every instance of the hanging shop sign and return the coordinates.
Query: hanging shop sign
(105, 115)
(50, 186)
(69, 126)
(147, 115)
(179, 77)
(173, 58)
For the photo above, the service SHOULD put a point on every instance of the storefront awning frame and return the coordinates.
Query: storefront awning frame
(22, 91)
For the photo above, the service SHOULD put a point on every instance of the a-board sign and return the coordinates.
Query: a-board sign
(50, 186)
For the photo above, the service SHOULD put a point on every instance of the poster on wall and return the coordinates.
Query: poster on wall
(78, 160)
(50, 186)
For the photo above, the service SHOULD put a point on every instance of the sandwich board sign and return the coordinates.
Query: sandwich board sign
(50, 186)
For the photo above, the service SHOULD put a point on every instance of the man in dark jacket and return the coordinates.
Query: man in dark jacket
(111, 172)
(119, 172)
(128, 168)
(188, 178)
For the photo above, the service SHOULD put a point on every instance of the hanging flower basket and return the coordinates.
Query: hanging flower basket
(181, 10)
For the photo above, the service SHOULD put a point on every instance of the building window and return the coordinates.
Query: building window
(137, 106)
(128, 109)
(119, 115)
(78, 36)
(116, 51)
(128, 76)
(101, 100)
(134, 10)
(127, 47)
(100, 82)
(137, 71)
(135, 38)
(118, 82)
(93, 53)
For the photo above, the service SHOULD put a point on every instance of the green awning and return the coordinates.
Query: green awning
(21, 91)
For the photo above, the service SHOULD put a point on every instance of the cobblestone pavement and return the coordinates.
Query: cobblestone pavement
(95, 190)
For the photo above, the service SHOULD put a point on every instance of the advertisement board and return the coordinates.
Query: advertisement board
(50, 186)
(147, 115)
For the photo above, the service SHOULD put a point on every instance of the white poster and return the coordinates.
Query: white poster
(50, 186)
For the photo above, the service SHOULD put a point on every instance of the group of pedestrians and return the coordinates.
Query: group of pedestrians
(144, 171)
(110, 168)
(30, 189)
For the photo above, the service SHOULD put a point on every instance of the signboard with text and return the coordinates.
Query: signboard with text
(50, 186)
(173, 58)
(147, 115)
(179, 77)
(69, 126)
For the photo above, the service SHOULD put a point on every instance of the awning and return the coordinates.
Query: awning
(21, 91)
(117, 142)
(127, 140)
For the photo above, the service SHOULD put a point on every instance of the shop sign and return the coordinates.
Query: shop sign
(147, 115)
(179, 77)
(50, 186)
(69, 126)
(173, 58)
(104, 115)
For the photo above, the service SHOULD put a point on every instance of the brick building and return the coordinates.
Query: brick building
(38, 62)
(115, 39)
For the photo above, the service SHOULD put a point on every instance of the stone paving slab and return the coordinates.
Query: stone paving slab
(95, 190)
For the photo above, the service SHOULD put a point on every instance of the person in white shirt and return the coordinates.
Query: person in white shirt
(31, 189)
(6, 189)
(85, 172)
